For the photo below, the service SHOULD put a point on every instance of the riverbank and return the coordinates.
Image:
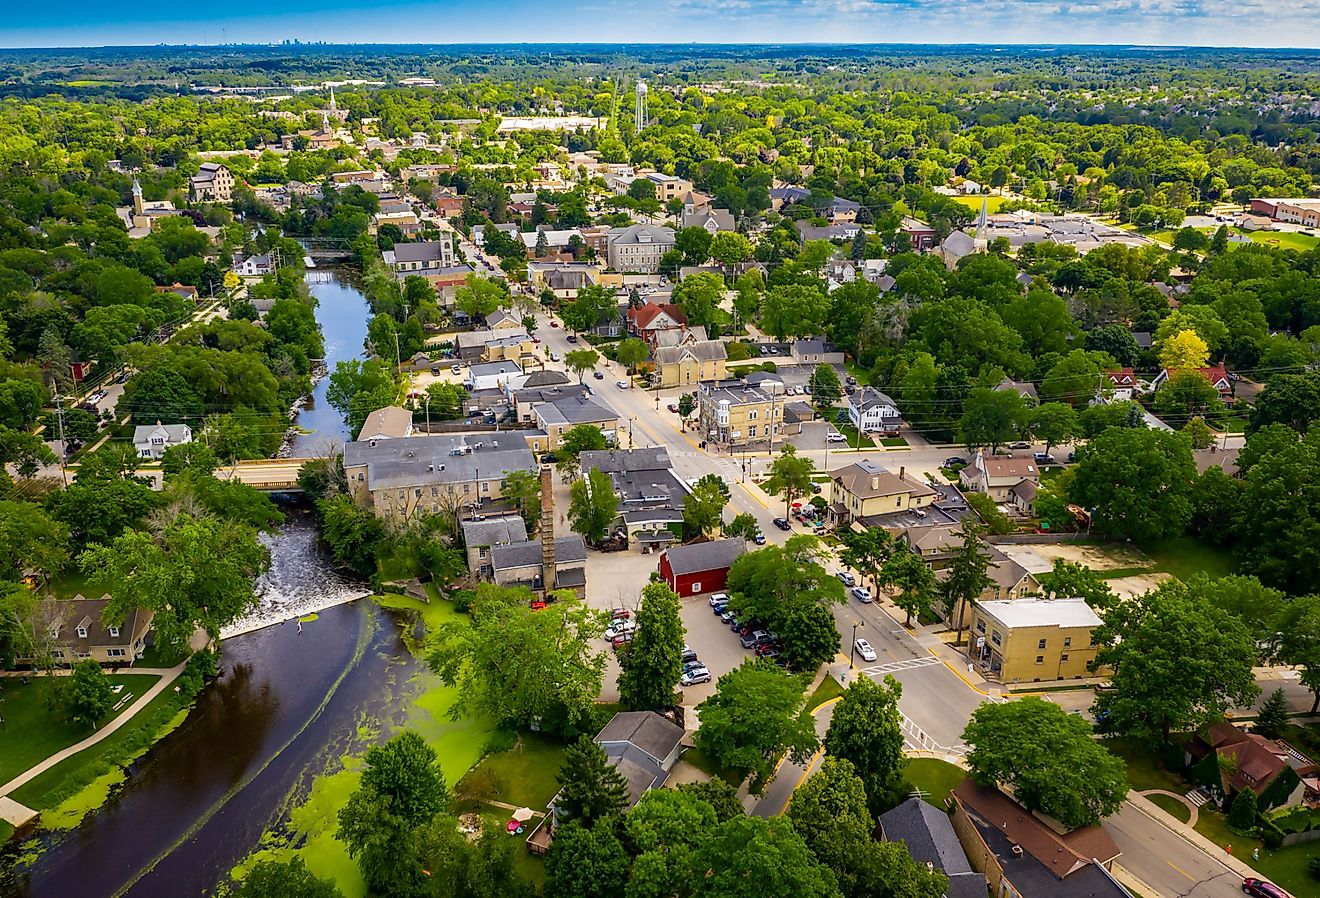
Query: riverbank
(309, 832)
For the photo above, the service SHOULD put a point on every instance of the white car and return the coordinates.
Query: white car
(864, 649)
(862, 594)
(835, 437)
(554, 356)
(846, 578)
(456, 369)
(694, 676)
(719, 597)
(621, 384)
(619, 628)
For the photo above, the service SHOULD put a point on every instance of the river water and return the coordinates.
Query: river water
(287, 706)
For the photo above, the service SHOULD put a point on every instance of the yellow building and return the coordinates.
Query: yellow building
(864, 489)
(1033, 640)
(689, 364)
(738, 414)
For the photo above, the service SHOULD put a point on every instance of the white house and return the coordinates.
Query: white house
(871, 411)
(151, 440)
(505, 375)
(254, 266)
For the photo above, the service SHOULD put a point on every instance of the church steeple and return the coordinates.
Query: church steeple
(982, 238)
(139, 207)
(333, 109)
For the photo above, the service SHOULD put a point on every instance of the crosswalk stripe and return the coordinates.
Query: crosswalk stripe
(895, 666)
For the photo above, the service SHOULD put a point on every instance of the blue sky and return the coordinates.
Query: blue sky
(1255, 23)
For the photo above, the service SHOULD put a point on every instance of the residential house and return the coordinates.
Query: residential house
(564, 279)
(524, 564)
(843, 230)
(1216, 375)
(1228, 760)
(933, 542)
(927, 833)
(683, 336)
(712, 220)
(864, 489)
(788, 195)
(690, 363)
(700, 567)
(1120, 386)
(1030, 640)
(1025, 389)
(184, 291)
(1022, 497)
(921, 236)
(557, 417)
(1025, 857)
(525, 399)
(668, 187)
(871, 411)
(254, 266)
(651, 496)
(816, 351)
(503, 319)
(840, 210)
(424, 258)
(151, 440)
(391, 422)
(213, 183)
(639, 247)
(480, 536)
(644, 321)
(503, 375)
(995, 475)
(734, 413)
(401, 478)
(78, 632)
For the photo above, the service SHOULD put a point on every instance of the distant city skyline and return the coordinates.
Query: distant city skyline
(1211, 23)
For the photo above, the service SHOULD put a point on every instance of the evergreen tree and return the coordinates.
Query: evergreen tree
(590, 786)
(1273, 717)
(1242, 812)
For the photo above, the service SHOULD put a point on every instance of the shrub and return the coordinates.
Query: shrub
(1242, 812)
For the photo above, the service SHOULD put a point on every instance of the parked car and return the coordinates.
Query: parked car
(554, 356)
(719, 598)
(834, 436)
(688, 654)
(123, 378)
(1044, 458)
(862, 594)
(536, 340)
(1072, 456)
(749, 640)
(954, 461)
(1262, 889)
(621, 640)
(572, 338)
(692, 665)
(726, 615)
(783, 524)
(850, 380)
(622, 384)
(618, 614)
(850, 389)
(673, 407)
(864, 649)
(846, 578)
(618, 628)
(1019, 444)
(759, 539)
(549, 458)
(456, 369)
(767, 649)
(719, 608)
(554, 323)
(693, 677)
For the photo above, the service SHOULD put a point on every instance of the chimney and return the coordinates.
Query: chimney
(547, 529)
(1017, 851)
(902, 469)
(875, 481)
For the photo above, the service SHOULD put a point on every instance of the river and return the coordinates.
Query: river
(288, 705)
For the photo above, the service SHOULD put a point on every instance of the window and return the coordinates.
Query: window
(996, 638)
(1067, 641)
(980, 626)
(1041, 644)
(58, 653)
(82, 632)
(115, 653)
(435, 491)
(1040, 659)
(751, 415)
(417, 493)
(485, 486)
(751, 430)
(898, 502)
(114, 632)
(1063, 657)
(696, 588)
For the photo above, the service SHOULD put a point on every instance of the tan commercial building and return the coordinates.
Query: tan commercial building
(864, 489)
(639, 248)
(690, 363)
(213, 183)
(736, 414)
(1034, 639)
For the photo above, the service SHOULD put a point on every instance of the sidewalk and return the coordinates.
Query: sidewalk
(167, 677)
(1191, 836)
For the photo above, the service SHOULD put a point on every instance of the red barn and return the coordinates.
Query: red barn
(701, 567)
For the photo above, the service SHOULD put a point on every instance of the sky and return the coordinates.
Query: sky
(1234, 23)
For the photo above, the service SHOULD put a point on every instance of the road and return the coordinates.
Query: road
(1167, 862)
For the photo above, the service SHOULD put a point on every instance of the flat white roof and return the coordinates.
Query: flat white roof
(1037, 612)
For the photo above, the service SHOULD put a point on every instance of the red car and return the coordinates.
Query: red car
(673, 408)
(554, 324)
(1262, 889)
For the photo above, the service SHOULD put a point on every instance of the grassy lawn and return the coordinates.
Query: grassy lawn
(523, 775)
(893, 442)
(34, 731)
(155, 656)
(992, 202)
(1285, 867)
(860, 374)
(851, 433)
(1187, 555)
(5, 832)
(829, 688)
(101, 760)
(1233, 425)
(72, 583)
(528, 865)
(1145, 768)
(707, 765)
(934, 777)
(1283, 240)
(1171, 806)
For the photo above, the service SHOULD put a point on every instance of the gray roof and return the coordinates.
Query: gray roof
(813, 347)
(723, 219)
(710, 556)
(610, 461)
(958, 244)
(486, 337)
(174, 433)
(488, 368)
(547, 378)
(568, 549)
(789, 193)
(868, 398)
(929, 835)
(430, 251)
(702, 351)
(1025, 389)
(427, 460)
(494, 531)
(646, 730)
(548, 394)
(839, 204)
(580, 410)
(499, 316)
(636, 233)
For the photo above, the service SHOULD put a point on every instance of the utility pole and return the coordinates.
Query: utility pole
(852, 649)
(64, 447)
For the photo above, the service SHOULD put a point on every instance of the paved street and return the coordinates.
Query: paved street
(1166, 862)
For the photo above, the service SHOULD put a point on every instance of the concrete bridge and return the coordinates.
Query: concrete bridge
(273, 475)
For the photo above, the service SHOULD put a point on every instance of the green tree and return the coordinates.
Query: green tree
(575, 441)
(699, 296)
(866, 551)
(1055, 423)
(1068, 580)
(703, 508)
(909, 572)
(721, 796)
(865, 730)
(479, 296)
(794, 310)
(580, 361)
(1185, 395)
(787, 588)
(694, 243)
(1173, 628)
(730, 248)
(749, 857)
(744, 526)
(197, 575)
(1243, 813)
(686, 406)
(966, 579)
(1077, 378)
(992, 417)
(825, 386)
(558, 675)
(592, 506)
(1048, 757)
(586, 861)
(1199, 433)
(523, 489)
(352, 532)
(284, 879)
(31, 541)
(1273, 717)
(88, 697)
(754, 716)
(652, 663)
(663, 829)
(591, 789)
(631, 352)
(790, 475)
(1138, 483)
(1299, 623)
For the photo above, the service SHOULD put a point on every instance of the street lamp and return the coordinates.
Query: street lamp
(852, 649)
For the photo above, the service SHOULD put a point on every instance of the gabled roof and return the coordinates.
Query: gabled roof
(642, 318)
(1025, 389)
(568, 550)
(391, 421)
(174, 433)
(715, 555)
(547, 378)
(958, 244)
(702, 351)
(493, 531)
(930, 839)
(647, 731)
(430, 251)
(998, 467)
(867, 480)
(1122, 377)
(867, 398)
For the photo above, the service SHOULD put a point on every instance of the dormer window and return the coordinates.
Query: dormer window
(82, 632)
(114, 632)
